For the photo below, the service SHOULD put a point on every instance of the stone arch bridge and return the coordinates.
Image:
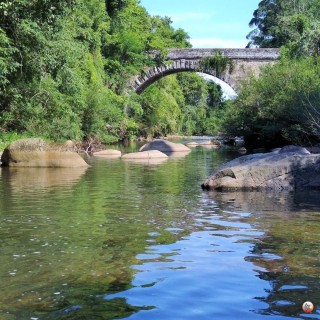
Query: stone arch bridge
(244, 63)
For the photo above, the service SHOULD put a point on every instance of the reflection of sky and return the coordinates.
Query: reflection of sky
(209, 23)
(203, 276)
(224, 269)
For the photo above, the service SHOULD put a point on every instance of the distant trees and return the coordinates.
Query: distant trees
(294, 23)
(184, 103)
(282, 106)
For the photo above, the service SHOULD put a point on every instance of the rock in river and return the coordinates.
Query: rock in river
(165, 146)
(108, 153)
(289, 168)
(152, 154)
(35, 152)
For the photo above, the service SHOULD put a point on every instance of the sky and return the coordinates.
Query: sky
(209, 23)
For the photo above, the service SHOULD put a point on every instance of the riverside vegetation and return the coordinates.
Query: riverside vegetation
(64, 67)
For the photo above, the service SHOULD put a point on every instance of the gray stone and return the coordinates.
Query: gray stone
(294, 149)
(246, 62)
(192, 144)
(165, 146)
(287, 169)
(108, 153)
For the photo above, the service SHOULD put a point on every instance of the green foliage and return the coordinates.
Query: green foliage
(161, 104)
(216, 64)
(194, 112)
(282, 106)
(294, 24)
(7, 63)
(7, 137)
(182, 104)
(64, 67)
(163, 35)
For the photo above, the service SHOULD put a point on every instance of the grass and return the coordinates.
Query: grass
(8, 137)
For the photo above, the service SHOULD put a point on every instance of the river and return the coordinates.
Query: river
(126, 240)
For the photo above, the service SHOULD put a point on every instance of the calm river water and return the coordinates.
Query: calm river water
(125, 240)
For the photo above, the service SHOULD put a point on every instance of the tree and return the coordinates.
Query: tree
(64, 66)
(281, 107)
(293, 23)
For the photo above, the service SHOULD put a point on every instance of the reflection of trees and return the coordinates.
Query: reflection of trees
(287, 256)
(288, 292)
(91, 232)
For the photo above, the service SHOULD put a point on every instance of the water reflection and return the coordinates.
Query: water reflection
(125, 240)
(287, 255)
(32, 179)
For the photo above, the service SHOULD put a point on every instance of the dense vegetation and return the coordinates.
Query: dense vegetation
(283, 105)
(64, 67)
(291, 23)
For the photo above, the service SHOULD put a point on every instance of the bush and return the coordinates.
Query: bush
(282, 106)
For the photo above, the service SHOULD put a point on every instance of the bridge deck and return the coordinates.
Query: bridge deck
(243, 54)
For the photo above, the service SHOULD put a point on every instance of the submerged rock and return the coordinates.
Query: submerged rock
(289, 168)
(192, 144)
(35, 152)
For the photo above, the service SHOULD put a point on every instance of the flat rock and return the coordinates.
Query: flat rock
(206, 143)
(35, 152)
(192, 144)
(152, 154)
(108, 153)
(289, 168)
(164, 146)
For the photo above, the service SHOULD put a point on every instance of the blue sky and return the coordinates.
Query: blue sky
(209, 23)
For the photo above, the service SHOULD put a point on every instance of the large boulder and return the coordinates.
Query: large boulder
(34, 152)
(165, 146)
(289, 168)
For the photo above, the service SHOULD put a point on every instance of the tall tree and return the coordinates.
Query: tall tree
(294, 23)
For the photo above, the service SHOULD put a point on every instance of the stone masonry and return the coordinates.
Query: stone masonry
(246, 62)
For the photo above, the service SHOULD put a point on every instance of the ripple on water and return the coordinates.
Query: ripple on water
(140, 242)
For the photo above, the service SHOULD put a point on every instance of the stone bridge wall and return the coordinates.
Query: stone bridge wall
(245, 62)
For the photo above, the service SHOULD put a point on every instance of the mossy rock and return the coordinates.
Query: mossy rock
(36, 152)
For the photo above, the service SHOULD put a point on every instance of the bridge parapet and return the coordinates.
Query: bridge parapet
(243, 54)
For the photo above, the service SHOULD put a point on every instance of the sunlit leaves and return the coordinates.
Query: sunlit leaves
(64, 67)
(7, 63)
(282, 106)
(287, 22)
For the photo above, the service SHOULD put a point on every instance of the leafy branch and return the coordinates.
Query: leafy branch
(217, 64)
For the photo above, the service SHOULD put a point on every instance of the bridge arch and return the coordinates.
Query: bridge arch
(245, 62)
